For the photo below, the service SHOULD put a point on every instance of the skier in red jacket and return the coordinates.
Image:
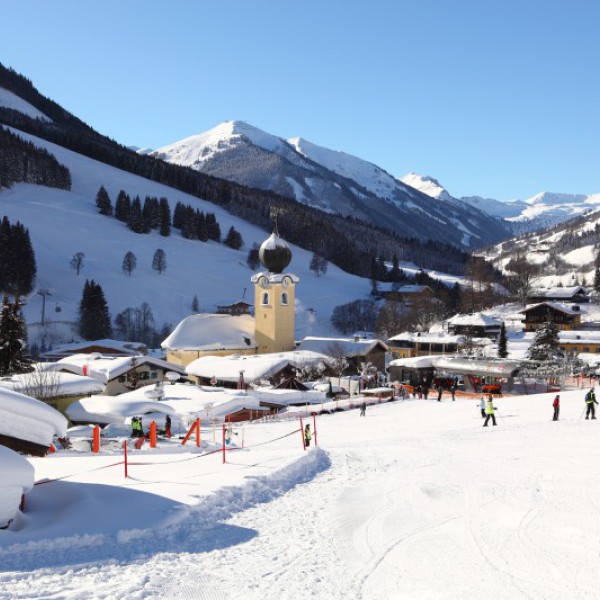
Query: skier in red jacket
(556, 405)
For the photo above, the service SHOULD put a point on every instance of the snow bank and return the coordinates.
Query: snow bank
(16, 478)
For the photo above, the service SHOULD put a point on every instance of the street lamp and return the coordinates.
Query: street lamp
(43, 294)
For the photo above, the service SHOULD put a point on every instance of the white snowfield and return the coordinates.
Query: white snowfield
(416, 500)
(16, 478)
(29, 419)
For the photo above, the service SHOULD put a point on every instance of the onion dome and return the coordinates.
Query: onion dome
(274, 254)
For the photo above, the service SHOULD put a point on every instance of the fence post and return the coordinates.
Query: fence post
(223, 443)
(153, 435)
(125, 457)
(96, 439)
(302, 434)
(315, 427)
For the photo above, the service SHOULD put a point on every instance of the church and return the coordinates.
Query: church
(271, 329)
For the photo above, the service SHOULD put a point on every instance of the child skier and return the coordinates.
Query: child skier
(489, 411)
(307, 436)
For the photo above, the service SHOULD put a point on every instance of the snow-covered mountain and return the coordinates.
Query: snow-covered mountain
(427, 185)
(329, 180)
(540, 211)
(565, 254)
(62, 223)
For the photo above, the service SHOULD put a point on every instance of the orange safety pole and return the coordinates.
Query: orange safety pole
(189, 433)
(96, 439)
(198, 433)
(125, 457)
(302, 434)
(153, 435)
(315, 427)
(223, 443)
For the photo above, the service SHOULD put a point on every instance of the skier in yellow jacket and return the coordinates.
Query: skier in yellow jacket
(489, 411)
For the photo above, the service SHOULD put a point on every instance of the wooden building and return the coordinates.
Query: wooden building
(564, 317)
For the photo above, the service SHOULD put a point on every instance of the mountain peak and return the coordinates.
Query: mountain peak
(428, 185)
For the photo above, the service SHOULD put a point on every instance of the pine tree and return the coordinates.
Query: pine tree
(13, 347)
(253, 260)
(165, 218)
(214, 231)
(502, 342)
(122, 207)
(545, 345)
(135, 220)
(159, 261)
(129, 263)
(103, 202)
(233, 239)
(94, 318)
(178, 215)
(195, 304)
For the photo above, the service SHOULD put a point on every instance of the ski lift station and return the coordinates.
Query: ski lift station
(475, 373)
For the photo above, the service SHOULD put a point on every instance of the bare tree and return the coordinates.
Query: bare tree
(77, 261)
(129, 263)
(41, 383)
(522, 276)
(337, 360)
(159, 261)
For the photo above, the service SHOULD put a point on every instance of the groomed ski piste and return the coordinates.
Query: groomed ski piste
(414, 500)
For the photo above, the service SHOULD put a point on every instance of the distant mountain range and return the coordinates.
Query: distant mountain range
(542, 210)
(331, 181)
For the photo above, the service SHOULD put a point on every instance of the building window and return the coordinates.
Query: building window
(265, 298)
(284, 298)
(153, 375)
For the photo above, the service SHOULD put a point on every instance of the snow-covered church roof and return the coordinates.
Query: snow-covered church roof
(212, 332)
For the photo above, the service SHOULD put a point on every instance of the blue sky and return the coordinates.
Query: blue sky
(498, 98)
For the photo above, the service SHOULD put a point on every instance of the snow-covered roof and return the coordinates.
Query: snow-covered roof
(106, 368)
(351, 347)
(458, 364)
(579, 336)
(255, 366)
(558, 292)
(413, 289)
(415, 362)
(475, 320)
(54, 382)
(212, 332)
(183, 400)
(117, 346)
(555, 305)
(427, 338)
(26, 418)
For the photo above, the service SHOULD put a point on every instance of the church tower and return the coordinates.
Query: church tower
(274, 298)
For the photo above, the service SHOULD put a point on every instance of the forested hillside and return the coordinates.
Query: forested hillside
(347, 242)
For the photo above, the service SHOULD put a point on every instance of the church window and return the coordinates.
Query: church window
(284, 298)
(265, 298)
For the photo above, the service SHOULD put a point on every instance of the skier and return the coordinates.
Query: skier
(440, 391)
(482, 407)
(453, 391)
(363, 409)
(307, 436)
(556, 405)
(489, 411)
(590, 400)
(168, 426)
